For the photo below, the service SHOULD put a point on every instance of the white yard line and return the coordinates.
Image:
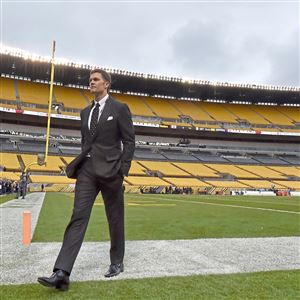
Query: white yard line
(224, 205)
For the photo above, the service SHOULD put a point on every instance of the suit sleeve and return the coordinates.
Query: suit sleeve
(127, 137)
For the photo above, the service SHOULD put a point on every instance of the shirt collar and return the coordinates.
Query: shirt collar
(102, 101)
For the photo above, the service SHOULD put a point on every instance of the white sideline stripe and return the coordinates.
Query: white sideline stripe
(230, 205)
(264, 202)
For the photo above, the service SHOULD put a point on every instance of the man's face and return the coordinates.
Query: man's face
(98, 85)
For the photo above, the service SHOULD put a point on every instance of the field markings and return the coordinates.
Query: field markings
(229, 205)
(264, 202)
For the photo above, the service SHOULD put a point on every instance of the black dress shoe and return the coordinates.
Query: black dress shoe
(59, 280)
(114, 270)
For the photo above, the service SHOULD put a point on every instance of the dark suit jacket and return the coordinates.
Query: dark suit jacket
(114, 128)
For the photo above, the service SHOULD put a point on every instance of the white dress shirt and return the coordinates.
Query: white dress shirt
(101, 107)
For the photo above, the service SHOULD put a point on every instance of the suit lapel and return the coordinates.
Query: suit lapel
(105, 113)
(86, 124)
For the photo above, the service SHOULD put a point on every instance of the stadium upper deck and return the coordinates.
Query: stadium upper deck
(155, 101)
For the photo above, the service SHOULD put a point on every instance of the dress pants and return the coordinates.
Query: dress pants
(87, 188)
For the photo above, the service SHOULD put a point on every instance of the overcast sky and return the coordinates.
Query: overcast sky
(230, 41)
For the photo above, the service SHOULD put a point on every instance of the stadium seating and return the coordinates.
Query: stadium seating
(265, 159)
(245, 112)
(53, 164)
(136, 168)
(136, 104)
(7, 89)
(218, 112)
(58, 187)
(272, 115)
(70, 97)
(178, 155)
(226, 184)
(163, 108)
(288, 171)
(265, 129)
(180, 174)
(262, 171)
(232, 170)
(51, 179)
(15, 176)
(33, 92)
(197, 169)
(208, 157)
(148, 154)
(289, 184)
(291, 112)
(166, 168)
(9, 161)
(184, 182)
(190, 108)
(261, 184)
(145, 181)
(183, 124)
(68, 159)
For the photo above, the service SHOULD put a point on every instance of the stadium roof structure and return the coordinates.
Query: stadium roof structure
(16, 63)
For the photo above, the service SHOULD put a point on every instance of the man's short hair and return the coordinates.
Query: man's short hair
(106, 76)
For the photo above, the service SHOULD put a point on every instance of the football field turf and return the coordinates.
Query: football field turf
(167, 217)
(281, 285)
(170, 217)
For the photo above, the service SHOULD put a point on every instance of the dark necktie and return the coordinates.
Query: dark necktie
(94, 119)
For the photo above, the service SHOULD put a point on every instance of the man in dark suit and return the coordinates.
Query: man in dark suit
(108, 144)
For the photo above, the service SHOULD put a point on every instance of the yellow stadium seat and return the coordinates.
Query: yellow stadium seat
(68, 159)
(272, 115)
(58, 187)
(218, 112)
(291, 112)
(70, 97)
(183, 182)
(261, 184)
(190, 108)
(225, 184)
(262, 171)
(7, 89)
(232, 170)
(290, 130)
(289, 184)
(9, 161)
(265, 129)
(207, 126)
(176, 124)
(245, 112)
(166, 168)
(145, 181)
(53, 164)
(136, 168)
(135, 104)
(12, 106)
(197, 169)
(288, 171)
(32, 92)
(51, 179)
(163, 108)
(15, 176)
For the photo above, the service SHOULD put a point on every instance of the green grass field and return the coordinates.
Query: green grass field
(164, 217)
(176, 217)
(281, 285)
(6, 198)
